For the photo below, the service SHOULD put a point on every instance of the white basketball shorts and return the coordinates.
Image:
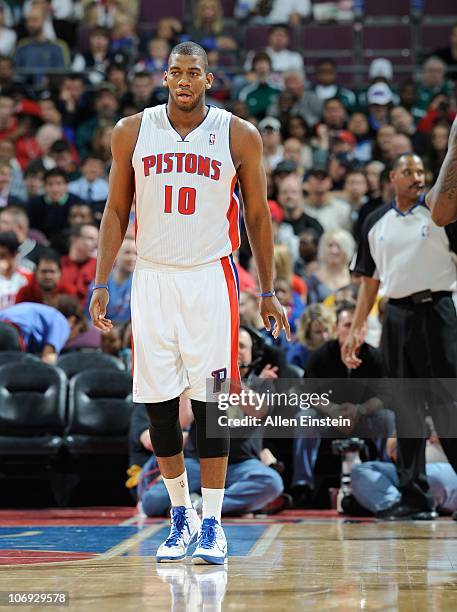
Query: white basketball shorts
(184, 329)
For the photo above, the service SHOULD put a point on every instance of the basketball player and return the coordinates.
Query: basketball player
(182, 160)
(442, 198)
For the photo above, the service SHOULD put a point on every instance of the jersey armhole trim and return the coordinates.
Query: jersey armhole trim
(230, 144)
(137, 137)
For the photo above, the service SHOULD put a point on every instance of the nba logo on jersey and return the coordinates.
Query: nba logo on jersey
(425, 231)
(212, 139)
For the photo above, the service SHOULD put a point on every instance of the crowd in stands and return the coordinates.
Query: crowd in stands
(70, 70)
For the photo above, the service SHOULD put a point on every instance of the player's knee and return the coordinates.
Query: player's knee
(213, 439)
(164, 427)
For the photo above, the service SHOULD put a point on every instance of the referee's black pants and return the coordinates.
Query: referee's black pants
(420, 341)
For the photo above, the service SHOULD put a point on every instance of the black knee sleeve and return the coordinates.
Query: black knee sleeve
(165, 430)
(210, 446)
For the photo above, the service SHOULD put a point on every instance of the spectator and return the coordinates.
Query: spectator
(355, 191)
(308, 105)
(120, 283)
(12, 278)
(41, 329)
(433, 82)
(283, 233)
(34, 180)
(208, 28)
(156, 60)
(48, 213)
(373, 171)
(368, 417)
(37, 51)
(116, 75)
(440, 110)
(7, 74)
(78, 267)
(97, 58)
(6, 175)
(249, 311)
(91, 187)
(398, 145)
(449, 54)
(437, 150)
(299, 153)
(61, 153)
(111, 342)
(327, 87)
(261, 93)
(7, 154)
(46, 135)
(270, 131)
(403, 122)
(57, 24)
(383, 143)
(124, 41)
(316, 327)
(282, 58)
(80, 213)
(334, 115)
(106, 111)
(46, 284)
(386, 194)
(8, 119)
(336, 249)
(73, 102)
(141, 92)
(290, 198)
(15, 219)
(30, 119)
(307, 248)
(331, 212)
(360, 128)
(380, 99)
(7, 36)
(277, 11)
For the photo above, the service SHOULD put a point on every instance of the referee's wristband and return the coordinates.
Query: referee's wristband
(100, 287)
(267, 294)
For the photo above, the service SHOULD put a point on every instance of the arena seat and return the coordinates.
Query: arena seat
(319, 40)
(387, 41)
(99, 412)
(256, 37)
(434, 36)
(32, 409)
(387, 8)
(75, 362)
(228, 6)
(439, 8)
(153, 12)
(18, 357)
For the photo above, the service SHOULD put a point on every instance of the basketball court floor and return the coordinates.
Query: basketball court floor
(103, 559)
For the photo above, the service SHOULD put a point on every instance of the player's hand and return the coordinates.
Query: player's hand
(349, 351)
(97, 310)
(270, 307)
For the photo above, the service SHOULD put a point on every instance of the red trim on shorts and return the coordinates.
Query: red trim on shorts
(133, 348)
(234, 318)
(135, 222)
(232, 217)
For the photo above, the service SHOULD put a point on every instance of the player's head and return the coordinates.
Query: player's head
(187, 76)
(407, 176)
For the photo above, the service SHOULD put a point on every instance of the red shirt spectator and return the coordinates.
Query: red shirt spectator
(12, 278)
(78, 267)
(46, 284)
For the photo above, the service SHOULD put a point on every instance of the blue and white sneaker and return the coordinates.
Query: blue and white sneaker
(185, 526)
(211, 544)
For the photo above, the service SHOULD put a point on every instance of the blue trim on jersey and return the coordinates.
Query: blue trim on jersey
(235, 272)
(181, 139)
(420, 202)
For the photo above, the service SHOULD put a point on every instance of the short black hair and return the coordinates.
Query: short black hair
(190, 48)
(279, 26)
(76, 230)
(49, 254)
(400, 158)
(89, 156)
(55, 172)
(69, 306)
(34, 168)
(325, 60)
(9, 241)
(60, 146)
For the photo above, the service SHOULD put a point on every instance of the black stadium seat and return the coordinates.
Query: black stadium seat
(32, 409)
(7, 357)
(99, 413)
(75, 362)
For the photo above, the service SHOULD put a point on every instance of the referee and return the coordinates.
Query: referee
(402, 249)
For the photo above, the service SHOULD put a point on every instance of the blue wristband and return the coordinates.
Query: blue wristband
(100, 287)
(267, 294)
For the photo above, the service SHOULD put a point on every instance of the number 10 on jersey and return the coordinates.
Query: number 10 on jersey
(186, 200)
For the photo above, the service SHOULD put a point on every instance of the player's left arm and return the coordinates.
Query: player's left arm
(246, 146)
(442, 198)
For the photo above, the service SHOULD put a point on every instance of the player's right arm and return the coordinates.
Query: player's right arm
(115, 218)
(442, 198)
(365, 302)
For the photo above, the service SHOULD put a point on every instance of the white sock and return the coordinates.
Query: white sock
(178, 490)
(212, 503)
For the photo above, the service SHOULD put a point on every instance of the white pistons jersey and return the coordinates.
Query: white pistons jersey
(186, 211)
